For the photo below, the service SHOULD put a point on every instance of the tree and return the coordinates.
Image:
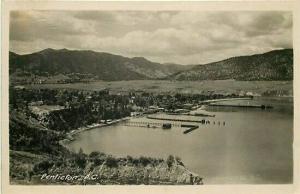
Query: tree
(80, 158)
(178, 160)
(170, 160)
(94, 154)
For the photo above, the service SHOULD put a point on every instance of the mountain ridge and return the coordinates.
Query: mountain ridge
(272, 65)
(105, 66)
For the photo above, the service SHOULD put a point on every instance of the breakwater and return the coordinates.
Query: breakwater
(190, 128)
(243, 106)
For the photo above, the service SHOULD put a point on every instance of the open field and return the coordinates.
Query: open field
(284, 88)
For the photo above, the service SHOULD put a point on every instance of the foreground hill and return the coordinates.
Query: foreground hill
(273, 65)
(103, 66)
(36, 151)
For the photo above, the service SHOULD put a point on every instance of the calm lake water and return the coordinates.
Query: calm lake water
(253, 147)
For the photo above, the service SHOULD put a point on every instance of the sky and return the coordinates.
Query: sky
(182, 37)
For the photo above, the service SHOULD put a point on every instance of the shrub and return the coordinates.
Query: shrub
(135, 161)
(42, 167)
(111, 162)
(80, 159)
(144, 160)
(98, 161)
(170, 160)
(129, 159)
(94, 154)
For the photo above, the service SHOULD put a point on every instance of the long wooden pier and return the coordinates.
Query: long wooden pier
(179, 120)
(150, 124)
(182, 123)
(160, 125)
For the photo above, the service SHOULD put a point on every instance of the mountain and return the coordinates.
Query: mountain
(273, 65)
(105, 66)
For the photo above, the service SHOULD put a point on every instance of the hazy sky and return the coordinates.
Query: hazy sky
(180, 37)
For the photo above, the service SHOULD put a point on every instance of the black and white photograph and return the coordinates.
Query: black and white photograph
(151, 97)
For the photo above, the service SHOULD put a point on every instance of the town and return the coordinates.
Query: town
(66, 110)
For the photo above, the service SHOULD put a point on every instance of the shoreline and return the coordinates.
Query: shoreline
(186, 176)
(70, 136)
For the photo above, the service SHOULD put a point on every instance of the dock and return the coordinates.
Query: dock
(149, 124)
(161, 125)
(193, 114)
(178, 120)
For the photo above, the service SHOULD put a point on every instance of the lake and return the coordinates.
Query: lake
(254, 146)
